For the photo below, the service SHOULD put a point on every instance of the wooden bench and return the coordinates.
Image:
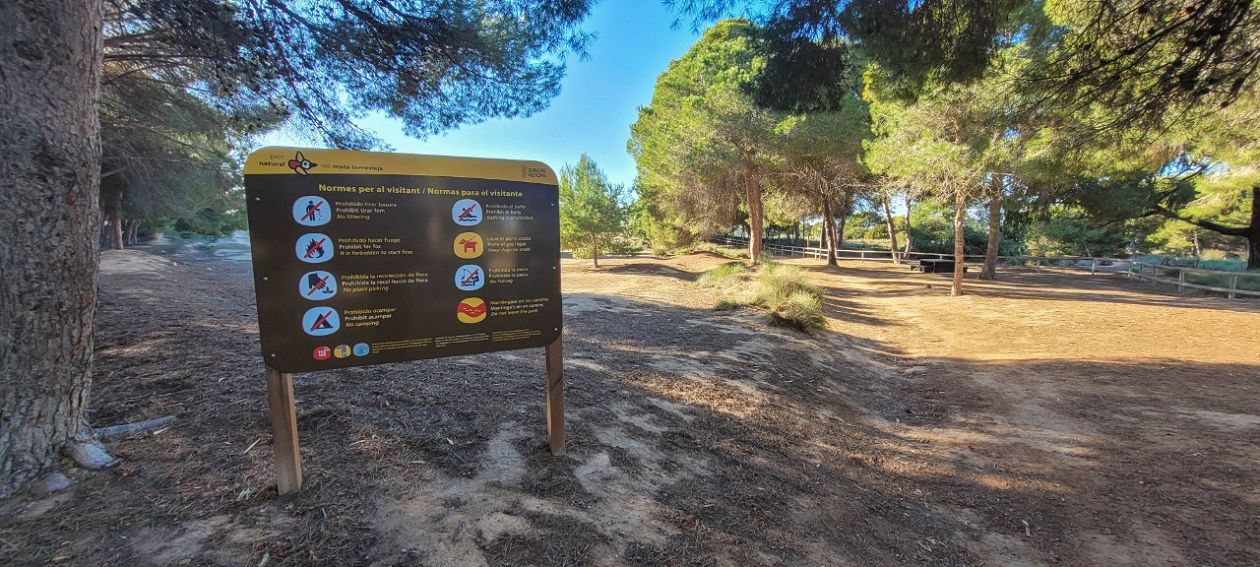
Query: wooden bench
(935, 266)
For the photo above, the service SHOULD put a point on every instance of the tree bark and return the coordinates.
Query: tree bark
(909, 238)
(1253, 231)
(595, 251)
(960, 255)
(892, 230)
(752, 193)
(846, 208)
(50, 58)
(114, 211)
(995, 237)
(829, 232)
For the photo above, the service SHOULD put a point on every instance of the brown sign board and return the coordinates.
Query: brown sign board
(364, 258)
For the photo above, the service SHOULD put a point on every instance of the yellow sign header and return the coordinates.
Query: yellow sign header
(275, 160)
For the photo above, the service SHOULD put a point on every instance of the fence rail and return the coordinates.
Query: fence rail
(1217, 281)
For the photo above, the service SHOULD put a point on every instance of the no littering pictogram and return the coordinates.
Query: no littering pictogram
(311, 211)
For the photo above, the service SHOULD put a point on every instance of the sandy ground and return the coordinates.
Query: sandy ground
(1045, 419)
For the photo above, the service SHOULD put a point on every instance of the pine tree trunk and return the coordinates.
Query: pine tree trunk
(846, 208)
(909, 238)
(50, 58)
(115, 222)
(595, 251)
(752, 192)
(829, 232)
(892, 230)
(995, 236)
(133, 232)
(960, 256)
(1253, 231)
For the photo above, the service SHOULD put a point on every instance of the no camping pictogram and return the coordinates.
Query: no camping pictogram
(321, 321)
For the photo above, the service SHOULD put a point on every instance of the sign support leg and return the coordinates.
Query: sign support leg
(555, 397)
(284, 431)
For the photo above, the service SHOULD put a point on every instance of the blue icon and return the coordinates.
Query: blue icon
(466, 212)
(321, 321)
(312, 211)
(317, 285)
(314, 248)
(470, 277)
(362, 349)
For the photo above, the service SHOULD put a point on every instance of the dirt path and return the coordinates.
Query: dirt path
(1042, 420)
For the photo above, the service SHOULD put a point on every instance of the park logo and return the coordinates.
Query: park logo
(471, 310)
(299, 164)
(469, 245)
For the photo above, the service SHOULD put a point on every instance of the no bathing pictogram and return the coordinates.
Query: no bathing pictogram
(470, 278)
(321, 321)
(314, 248)
(317, 285)
(466, 212)
(469, 245)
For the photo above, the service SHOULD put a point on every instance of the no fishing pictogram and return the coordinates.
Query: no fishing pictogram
(469, 278)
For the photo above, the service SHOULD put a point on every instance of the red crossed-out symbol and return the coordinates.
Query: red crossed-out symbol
(471, 311)
(471, 277)
(313, 246)
(318, 285)
(322, 322)
(468, 213)
(310, 213)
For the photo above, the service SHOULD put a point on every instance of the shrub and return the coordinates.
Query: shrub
(790, 297)
(723, 276)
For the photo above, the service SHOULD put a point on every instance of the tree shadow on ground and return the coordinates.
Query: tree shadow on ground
(695, 438)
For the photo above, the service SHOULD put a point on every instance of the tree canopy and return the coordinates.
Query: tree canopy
(591, 211)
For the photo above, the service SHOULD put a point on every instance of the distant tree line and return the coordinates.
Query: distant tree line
(1090, 127)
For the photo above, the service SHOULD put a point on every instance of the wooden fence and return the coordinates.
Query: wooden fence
(1232, 284)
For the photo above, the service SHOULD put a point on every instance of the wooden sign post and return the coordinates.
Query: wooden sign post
(365, 258)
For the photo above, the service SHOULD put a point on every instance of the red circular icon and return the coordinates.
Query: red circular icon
(323, 353)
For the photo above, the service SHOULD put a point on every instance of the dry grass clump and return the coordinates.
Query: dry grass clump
(784, 291)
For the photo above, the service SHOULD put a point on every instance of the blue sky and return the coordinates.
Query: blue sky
(599, 98)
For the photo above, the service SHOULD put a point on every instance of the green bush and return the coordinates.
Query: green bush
(620, 245)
